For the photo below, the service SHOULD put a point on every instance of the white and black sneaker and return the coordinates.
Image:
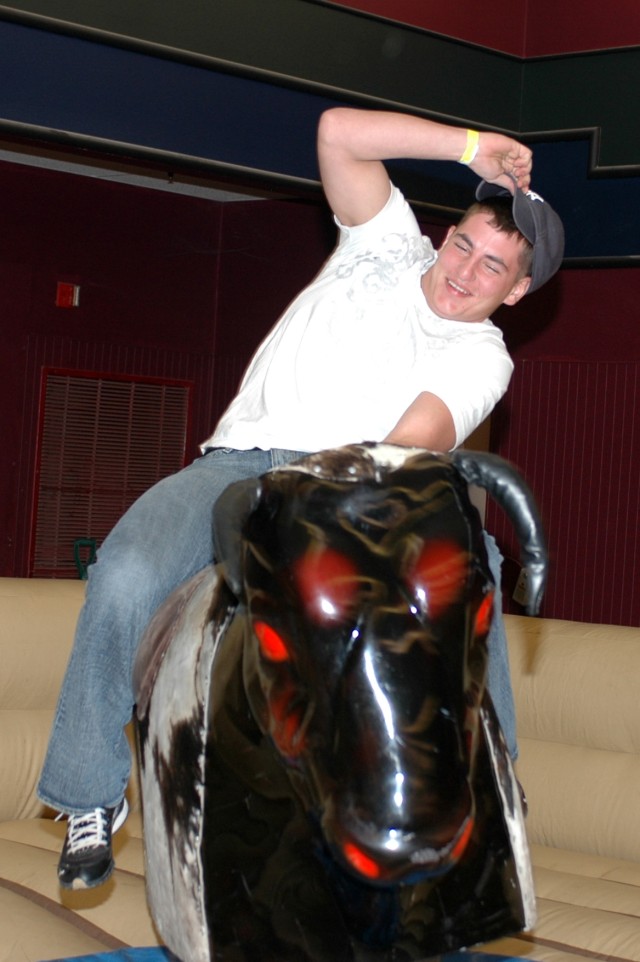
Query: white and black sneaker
(87, 859)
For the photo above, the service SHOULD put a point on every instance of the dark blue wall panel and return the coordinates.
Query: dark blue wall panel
(80, 93)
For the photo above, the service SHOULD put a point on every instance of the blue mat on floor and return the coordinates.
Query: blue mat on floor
(151, 954)
(156, 954)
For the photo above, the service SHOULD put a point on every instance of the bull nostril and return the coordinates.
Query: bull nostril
(377, 847)
(397, 856)
(362, 863)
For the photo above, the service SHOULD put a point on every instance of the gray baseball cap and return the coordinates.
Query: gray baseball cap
(539, 223)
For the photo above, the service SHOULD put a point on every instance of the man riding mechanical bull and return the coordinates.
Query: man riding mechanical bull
(391, 342)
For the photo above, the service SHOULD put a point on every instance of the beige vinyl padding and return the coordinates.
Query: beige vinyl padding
(37, 621)
(37, 920)
(576, 689)
(577, 696)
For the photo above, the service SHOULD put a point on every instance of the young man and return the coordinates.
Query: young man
(391, 341)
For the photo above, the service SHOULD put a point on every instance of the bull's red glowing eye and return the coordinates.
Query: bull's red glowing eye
(327, 582)
(438, 575)
(360, 862)
(271, 643)
(483, 615)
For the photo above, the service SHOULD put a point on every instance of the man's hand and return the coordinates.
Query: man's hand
(500, 159)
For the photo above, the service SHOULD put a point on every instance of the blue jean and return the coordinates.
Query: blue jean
(161, 541)
(499, 674)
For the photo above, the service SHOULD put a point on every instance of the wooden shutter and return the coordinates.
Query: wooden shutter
(103, 440)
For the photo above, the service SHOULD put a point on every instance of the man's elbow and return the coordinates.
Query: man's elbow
(332, 127)
(427, 423)
(438, 441)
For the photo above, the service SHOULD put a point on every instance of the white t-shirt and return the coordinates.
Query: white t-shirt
(359, 344)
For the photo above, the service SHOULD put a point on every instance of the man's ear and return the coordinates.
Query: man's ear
(518, 291)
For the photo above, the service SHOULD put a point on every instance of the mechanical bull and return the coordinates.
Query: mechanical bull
(323, 774)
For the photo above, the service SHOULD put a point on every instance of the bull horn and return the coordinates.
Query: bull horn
(230, 512)
(507, 487)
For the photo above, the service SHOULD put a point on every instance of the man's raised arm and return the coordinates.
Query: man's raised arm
(353, 144)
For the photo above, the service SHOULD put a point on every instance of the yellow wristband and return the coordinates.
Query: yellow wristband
(470, 151)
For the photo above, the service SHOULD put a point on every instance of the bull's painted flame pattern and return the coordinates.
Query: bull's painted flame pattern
(367, 603)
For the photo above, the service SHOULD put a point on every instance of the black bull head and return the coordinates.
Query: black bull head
(323, 775)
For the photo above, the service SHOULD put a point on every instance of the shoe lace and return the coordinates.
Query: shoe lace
(90, 830)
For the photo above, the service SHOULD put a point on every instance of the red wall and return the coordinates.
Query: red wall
(170, 286)
(585, 314)
(522, 29)
(145, 263)
(570, 423)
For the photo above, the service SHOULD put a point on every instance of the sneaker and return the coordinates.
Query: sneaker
(86, 859)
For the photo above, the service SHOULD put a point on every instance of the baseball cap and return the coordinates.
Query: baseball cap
(538, 222)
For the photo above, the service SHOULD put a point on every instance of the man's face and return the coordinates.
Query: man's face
(478, 269)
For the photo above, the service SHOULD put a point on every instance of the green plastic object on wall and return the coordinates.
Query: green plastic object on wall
(82, 564)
